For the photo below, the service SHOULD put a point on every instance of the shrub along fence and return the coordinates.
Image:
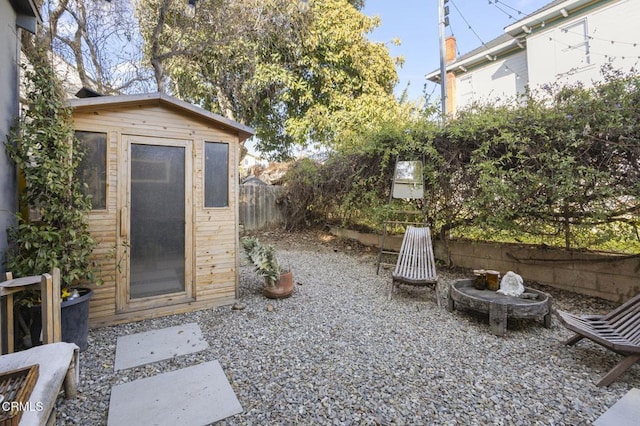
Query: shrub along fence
(559, 167)
(258, 206)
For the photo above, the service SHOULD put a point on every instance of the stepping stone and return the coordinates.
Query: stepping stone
(157, 345)
(197, 395)
(625, 412)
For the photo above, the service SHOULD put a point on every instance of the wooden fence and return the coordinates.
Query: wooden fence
(258, 208)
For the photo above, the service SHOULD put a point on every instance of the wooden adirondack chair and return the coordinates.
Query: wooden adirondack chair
(416, 264)
(619, 331)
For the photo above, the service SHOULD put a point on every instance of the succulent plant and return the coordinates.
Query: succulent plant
(263, 258)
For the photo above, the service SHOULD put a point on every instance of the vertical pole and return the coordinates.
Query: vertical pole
(443, 62)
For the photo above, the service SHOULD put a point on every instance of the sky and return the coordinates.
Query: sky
(415, 23)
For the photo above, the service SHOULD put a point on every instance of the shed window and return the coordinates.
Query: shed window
(92, 170)
(216, 174)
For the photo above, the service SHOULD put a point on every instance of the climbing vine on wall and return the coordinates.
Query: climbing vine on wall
(42, 145)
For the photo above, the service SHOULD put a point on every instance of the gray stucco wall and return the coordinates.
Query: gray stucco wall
(8, 110)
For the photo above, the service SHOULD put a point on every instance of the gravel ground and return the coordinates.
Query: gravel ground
(337, 352)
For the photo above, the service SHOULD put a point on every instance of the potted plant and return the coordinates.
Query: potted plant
(52, 230)
(278, 282)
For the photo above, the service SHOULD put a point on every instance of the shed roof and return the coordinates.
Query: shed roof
(161, 99)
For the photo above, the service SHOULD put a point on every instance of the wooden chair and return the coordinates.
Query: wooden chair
(49, 286)
(619, 331)
(416, 264)
(59, 362)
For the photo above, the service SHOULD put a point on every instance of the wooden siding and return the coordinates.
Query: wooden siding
(503, 78)
(214, 232)
(615, 22)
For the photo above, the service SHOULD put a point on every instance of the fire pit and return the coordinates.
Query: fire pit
(531, 304)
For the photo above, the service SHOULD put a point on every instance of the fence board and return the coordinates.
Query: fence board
(258, 208)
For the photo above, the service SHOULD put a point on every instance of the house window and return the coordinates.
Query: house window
(216, 174)
(575, 46)
(92, 170)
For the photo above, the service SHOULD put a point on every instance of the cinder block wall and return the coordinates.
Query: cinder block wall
(610, 277)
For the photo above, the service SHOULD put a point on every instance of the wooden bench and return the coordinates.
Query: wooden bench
(416, 263)
(59, 369)
(618, 331)
(58, 361)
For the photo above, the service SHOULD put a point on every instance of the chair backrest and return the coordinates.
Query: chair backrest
(626, 319)
(415, 260)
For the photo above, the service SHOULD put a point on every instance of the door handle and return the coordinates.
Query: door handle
(124, 222)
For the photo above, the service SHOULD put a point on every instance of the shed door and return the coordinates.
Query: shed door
(157, 221)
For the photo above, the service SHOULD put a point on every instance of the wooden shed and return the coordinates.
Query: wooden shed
(163, 175)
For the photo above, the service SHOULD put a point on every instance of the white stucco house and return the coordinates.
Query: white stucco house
(566, 41)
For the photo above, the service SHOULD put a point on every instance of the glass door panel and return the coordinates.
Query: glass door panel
(157, 220)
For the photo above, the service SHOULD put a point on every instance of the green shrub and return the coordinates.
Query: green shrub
(42, 145)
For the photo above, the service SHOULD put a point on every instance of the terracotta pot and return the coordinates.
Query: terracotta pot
(282, 289)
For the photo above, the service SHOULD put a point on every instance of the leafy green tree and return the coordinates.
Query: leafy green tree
(299, 75)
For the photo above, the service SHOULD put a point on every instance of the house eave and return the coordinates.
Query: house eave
(27, 15)
(560, 11)
(484, 56)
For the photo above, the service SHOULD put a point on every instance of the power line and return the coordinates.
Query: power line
(590, 37)
(453, 35)
(590, 50)
(495, 4)
(468, 24)
(518, 76)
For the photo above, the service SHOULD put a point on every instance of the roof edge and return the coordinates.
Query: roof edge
(479, 57)
(244, 131)
(549, 12)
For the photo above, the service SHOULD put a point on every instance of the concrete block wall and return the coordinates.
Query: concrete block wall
(607, 276)
(611, 277)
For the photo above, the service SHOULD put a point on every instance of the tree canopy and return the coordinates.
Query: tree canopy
(299, 73)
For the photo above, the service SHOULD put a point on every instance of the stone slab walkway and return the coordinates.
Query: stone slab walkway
(625, 412)
(155, 345)
(197, 395)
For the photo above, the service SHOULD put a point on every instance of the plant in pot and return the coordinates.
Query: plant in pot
(52, 230)
(278, 282)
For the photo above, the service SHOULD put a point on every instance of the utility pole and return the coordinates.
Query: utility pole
(443, 21)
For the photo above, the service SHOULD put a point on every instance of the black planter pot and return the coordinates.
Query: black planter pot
(74, 319)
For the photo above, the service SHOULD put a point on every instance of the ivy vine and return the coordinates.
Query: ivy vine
(42, 144)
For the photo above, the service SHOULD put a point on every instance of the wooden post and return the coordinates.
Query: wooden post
(57, 313)
(498, 318)
(70, 384)
(50, 294)
(7, 320)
